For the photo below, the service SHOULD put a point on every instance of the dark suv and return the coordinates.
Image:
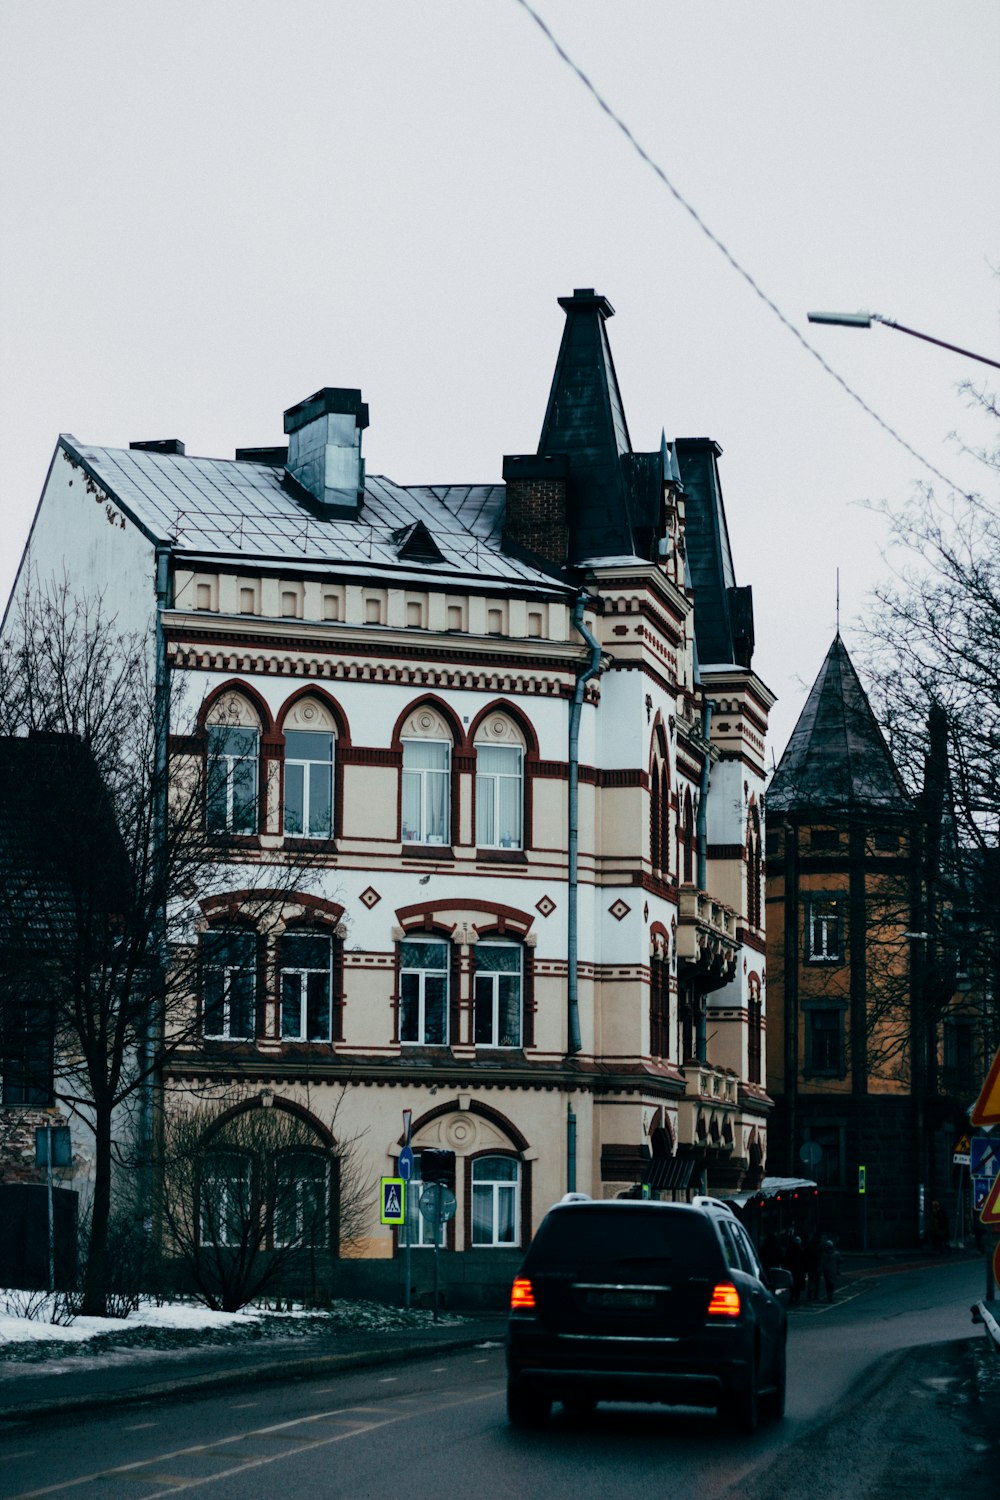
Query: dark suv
(633, 1301)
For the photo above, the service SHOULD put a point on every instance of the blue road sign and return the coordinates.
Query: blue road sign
(984, 1156)
(405, 1165)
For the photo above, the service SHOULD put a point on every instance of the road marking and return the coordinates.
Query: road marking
(226, 1447)
(388, 1379)
(139, 1426)
(242, 1405)
(439, 1370)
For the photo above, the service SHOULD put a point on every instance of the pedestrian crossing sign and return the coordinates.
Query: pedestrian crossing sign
(393, 1200)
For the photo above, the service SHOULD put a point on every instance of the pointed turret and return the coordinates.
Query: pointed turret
(585, 420)
(837, 759)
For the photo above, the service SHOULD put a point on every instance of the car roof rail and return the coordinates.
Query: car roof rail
(701, 1200)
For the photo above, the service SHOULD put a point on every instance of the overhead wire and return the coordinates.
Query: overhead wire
(709, 234)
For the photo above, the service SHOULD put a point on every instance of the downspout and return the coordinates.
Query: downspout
(161, 730)
(572, 988)
(701, 829)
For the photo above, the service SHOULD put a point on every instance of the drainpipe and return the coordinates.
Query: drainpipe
(702, 842)
(570, 1148)
(161, 730)
(572, 990)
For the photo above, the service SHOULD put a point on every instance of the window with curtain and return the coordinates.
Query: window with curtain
(496, 1182)
(499, 796)
(423, 992)
(306, 987)
(302, 1199)
(224, 1201)
(498, 989)
(229, 964)
(308, 784)
(233, 752)
(426, 791)
(419, 1230)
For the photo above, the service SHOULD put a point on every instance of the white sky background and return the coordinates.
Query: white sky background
(211, 208)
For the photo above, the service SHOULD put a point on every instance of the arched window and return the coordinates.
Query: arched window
(498, 991)
(496, 1183)
(427, 747)
(655, 820)
(233, 755)
(229, 975)
(306, 966)
(659, 1005)
(423, 991)
(688, 838)
(754, 1029)
(310, 736)
(499, 784)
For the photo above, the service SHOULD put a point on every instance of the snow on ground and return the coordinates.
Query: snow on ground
(16, 1328)
(169, 1323)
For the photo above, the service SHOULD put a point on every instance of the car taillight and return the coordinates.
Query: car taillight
(522, 1297)
(725, 1301)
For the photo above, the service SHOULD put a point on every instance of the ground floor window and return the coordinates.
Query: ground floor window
(496, 1182)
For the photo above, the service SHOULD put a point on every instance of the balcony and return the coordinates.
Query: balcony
(707, 946)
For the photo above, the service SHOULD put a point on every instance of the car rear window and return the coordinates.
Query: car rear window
(572, 1239)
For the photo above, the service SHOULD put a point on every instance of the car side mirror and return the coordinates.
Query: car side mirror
(781, 1282)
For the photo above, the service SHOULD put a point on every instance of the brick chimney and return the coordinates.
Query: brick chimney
(535, 519)
(324, 449)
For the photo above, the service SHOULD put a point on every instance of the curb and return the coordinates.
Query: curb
(266, 1374)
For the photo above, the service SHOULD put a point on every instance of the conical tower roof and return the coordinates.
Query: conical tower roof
(837, 759)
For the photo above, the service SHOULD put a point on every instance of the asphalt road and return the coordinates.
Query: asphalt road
(864, 1420)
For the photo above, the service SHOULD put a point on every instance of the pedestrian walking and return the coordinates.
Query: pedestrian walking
(814, 1263)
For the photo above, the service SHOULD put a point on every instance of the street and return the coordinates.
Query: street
(437, 1427)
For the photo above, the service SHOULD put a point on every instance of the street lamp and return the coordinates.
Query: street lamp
(866, 319)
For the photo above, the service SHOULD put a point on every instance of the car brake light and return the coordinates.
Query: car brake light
(725, 1301)
(522, 1297)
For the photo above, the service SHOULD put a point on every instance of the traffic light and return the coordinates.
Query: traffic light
(437, 1166)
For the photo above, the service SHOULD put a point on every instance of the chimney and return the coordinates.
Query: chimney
(172, 446)
(535, 519)
(324, 449)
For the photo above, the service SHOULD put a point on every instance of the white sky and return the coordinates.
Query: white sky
(210, 208)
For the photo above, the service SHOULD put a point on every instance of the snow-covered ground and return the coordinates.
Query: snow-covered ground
(185, 1320)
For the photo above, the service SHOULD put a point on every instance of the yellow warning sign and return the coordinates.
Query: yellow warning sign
(990, 1213)
(986, 1110)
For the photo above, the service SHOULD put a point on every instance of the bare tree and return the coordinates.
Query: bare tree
(251, 1197)
(106, 856)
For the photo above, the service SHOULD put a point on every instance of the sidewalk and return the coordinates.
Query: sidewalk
(80, 1383)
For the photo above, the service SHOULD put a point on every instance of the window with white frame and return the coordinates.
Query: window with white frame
(823, 935)
(233, 751)
(417, 1231)
(426, 791)
(306, 988)
(302, 1199)
(224, 1200)
(308, 784)
(498, 990)
(229, 963)
(499, 796)
(423, 992)
(496, 1183)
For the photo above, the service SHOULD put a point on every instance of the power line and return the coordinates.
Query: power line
(741, 270)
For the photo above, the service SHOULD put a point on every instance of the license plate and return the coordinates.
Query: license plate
(613, 1298)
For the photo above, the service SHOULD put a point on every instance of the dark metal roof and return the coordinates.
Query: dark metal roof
(585, 419)
(245, 511)
(723, 613)
(837, 759)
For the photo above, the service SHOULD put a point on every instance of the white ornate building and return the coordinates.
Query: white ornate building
(476, 712)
